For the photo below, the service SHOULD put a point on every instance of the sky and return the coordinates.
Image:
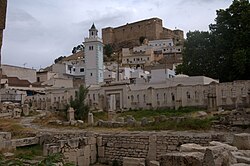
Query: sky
(39, 31)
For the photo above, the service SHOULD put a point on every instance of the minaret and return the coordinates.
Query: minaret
(93, 58)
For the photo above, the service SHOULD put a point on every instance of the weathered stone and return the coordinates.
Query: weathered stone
(144, 121)
(120, 119)
(242, 141)
(225, 146)
(152, 148)
(154, 163)
(192, 148)
(128, 161)
(101, 151)
(242, 156)
(99, 141)
(71, 114)
(26, 110)
(90, 119)
(182, 158)
(130, 120)
(218, 155)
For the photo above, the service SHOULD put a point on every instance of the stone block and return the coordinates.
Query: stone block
(80, 152)
(182, 158)
(93, 154)
(101, 151)
(73, 143)
(217, 155)
(192, 148)
(70, 157)
(99, 141)
(154, 163)
(90, 119)
(26, 110)
(128, 161)
(242, 141)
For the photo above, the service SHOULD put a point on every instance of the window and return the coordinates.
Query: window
(138, 98)
(148, 58)
(91, 48)
(94, 97)
(81, 70)
(144, 98)
(91, 74)
(188, 95)
(173, 98)
(38, 79)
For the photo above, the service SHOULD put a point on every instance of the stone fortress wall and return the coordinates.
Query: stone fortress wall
(151, 28)
(88, 148)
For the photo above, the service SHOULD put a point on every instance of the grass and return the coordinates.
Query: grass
(13, 126)
(29, 152)
(138, 114)
(186, 124)
(100, 116)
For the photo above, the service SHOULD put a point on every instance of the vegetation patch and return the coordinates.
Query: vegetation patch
(185, 124)
(138, 114)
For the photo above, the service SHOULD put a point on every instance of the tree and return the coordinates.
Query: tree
(108, 50)
(78, 48)
(141, 39)
(59, 59)
(224, 52)
(232, 37)
(198, 55)
(79, 105)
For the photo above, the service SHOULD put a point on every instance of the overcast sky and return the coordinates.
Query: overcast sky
(38, 31)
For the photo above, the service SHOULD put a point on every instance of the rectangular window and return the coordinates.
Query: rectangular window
(81, 69)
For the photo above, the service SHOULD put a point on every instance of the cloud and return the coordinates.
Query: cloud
(39, 31)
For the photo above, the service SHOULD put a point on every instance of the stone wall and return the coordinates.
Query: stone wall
(87, 148)
(147, 145)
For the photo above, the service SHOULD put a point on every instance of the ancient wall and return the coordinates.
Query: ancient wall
(87, 148)
(151, 28)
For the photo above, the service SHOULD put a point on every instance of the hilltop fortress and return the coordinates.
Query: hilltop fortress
(151, 28)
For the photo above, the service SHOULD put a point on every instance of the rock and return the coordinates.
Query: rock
(144, 121)
(128, 161)
(8, 154)
(201, 114)
(120, 119)
(80, 122)
(218, 155)
(130, 120)
(90, 119)
(242, 141)
(182, 158)
(242, 156)
(154, 163)
(192, 148)
(225, 146)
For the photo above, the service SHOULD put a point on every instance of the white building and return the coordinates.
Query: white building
(93, 58)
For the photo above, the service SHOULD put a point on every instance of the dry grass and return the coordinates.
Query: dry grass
(16, 129)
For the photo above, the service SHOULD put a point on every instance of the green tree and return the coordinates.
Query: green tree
(79, 105)
(78, 48)
(198, 55)
(224, 52)
(59, 59)
(231, 33)
(108, 50)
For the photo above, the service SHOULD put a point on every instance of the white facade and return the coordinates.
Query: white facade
(93, 58)
(161, 43)
(160, 75)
